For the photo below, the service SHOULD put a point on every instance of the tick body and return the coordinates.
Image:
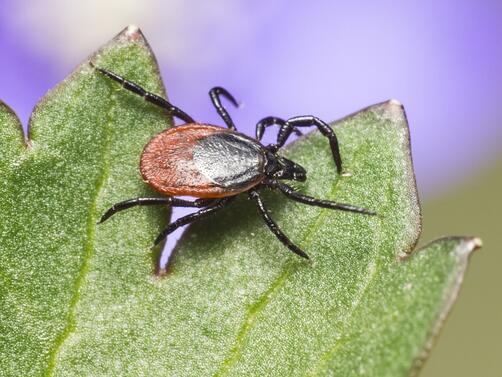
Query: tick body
(215, 164)
(202, 161)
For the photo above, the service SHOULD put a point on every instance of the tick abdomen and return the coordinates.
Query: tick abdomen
(202, 161)
(229, 160)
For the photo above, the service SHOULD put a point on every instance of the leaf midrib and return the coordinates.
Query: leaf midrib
(89, 244)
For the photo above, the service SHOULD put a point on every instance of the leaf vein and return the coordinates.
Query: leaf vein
(89, 244)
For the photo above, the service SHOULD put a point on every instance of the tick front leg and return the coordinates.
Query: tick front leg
(215, 94)
(149, 97)
(174, 202)
(265, 123)
(274, 227)
(270, 121)
(309, 121)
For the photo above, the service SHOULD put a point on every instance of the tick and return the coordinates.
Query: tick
(215, 164)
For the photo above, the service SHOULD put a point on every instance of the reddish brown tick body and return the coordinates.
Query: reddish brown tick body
(168, 164)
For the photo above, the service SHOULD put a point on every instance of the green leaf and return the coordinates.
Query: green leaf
(81, 299)
(86, 136)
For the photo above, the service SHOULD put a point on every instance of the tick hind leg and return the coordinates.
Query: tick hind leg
(215, 206)
(274, 227)
(148, 96)
(215, 94)
(170, 201)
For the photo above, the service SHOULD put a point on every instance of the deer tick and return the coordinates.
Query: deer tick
(215, 164)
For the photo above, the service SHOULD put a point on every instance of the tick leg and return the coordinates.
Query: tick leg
(270, 121)
(215, 94)
(308, 121)
(174, 202)
(267, 122)
(149, 97)
(274, 227)
(291, 193)
(219, 204)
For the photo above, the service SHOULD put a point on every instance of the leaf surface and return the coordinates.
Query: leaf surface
(85, 139)
(81, 299)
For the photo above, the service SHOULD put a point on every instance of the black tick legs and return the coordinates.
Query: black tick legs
(215, 94)
(168, 200)
(270, 121)
(149, 97)
(211, 205)
(291, 193)
(274, 227)
(219, 204)
(296, 196)
(292, 124)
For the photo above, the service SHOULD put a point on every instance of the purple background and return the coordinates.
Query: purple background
(442, 60)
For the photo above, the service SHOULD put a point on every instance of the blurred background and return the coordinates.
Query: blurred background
(441, 59)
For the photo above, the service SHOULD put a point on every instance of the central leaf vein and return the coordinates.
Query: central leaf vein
(89, 244)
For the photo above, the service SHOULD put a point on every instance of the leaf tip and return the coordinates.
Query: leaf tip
(476, 243)
(131, 33)
(395, 102)
(469, 245)
(394, 111)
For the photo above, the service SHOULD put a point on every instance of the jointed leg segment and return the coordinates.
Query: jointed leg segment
(219, 204)
(149, 97)
(274, 227)
(168, 200)
(270, 121)
(291, 193)
(324, 128)
(215, 94)
(292, 124)
(211, 205)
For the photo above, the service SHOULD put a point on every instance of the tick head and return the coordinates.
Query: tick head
(282, 168)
